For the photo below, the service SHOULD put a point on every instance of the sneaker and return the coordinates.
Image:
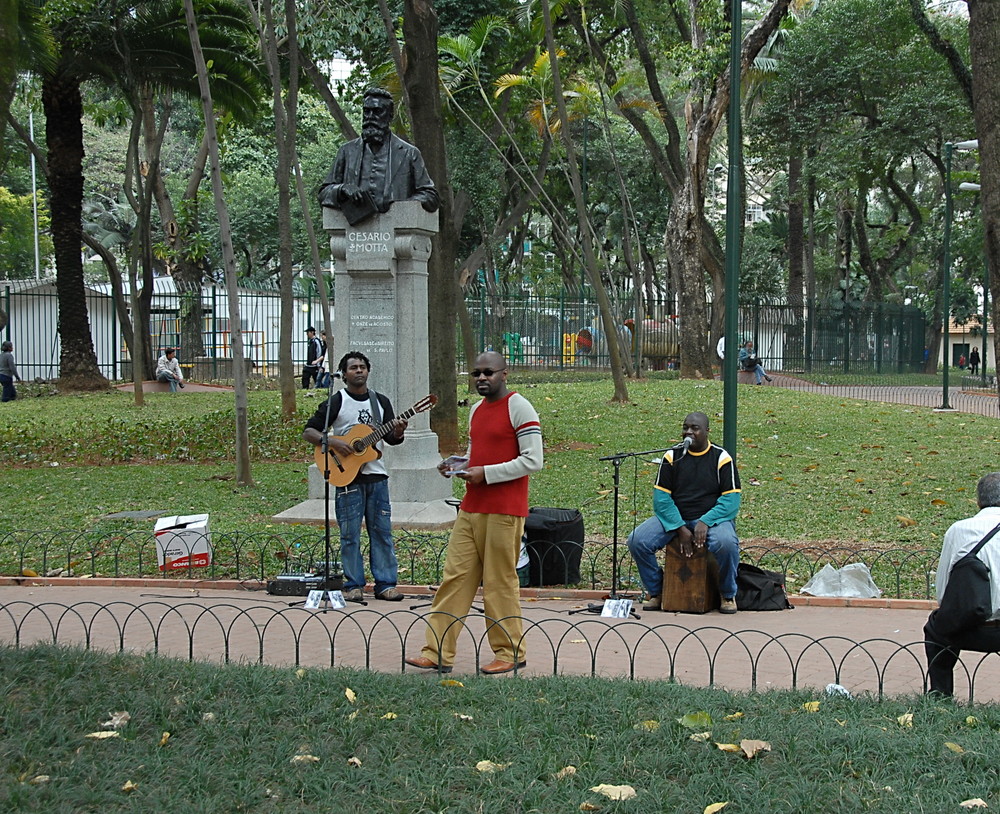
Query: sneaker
(653, 603)
(767, 378)
(728, 605)
(354, 595)
(389, 595)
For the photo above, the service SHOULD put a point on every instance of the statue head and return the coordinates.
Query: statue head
(377, 114)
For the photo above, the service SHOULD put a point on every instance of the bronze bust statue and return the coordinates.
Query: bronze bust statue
(373, 171)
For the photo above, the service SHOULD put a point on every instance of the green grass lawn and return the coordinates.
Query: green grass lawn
(817, 471)
(202, 739)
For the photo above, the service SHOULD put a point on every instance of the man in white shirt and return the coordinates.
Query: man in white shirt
(168, 370)
(959, 540)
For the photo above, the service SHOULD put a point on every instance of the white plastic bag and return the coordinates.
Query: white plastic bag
(853, 580)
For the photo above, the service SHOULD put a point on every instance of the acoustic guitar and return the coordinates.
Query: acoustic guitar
(361, 438)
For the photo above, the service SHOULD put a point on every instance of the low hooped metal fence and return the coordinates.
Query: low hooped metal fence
(253, 629)
(245, 556)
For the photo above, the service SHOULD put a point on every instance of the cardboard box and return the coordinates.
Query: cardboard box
(182, 542)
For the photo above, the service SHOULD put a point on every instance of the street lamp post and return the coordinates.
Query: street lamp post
(946, 273)
(949, 147)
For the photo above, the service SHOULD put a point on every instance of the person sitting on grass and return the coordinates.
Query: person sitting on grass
(168, 370)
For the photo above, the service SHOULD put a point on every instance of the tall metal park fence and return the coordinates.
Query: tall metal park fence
(860, 344)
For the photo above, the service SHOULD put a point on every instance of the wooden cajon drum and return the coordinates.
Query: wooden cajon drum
(690, 584)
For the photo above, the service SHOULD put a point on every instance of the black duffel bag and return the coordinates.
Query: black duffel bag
(760, 590)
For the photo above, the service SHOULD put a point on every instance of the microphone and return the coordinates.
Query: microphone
(684, 445)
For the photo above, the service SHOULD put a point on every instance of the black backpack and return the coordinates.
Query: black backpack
(760, 590)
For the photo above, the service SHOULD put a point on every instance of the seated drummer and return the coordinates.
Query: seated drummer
(695, 499)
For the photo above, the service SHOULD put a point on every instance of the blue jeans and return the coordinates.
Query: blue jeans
(649, 537)
(169, 379)
(368, 502)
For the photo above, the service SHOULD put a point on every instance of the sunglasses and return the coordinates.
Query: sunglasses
(486, 371)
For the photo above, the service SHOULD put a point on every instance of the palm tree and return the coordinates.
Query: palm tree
(131, 48)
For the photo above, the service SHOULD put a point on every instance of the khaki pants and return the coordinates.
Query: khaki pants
(483, 548)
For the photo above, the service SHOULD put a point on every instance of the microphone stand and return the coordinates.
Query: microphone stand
(328, 584)
(616, 462)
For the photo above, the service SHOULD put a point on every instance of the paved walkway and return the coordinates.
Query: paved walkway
(961, 401)
(874, 647)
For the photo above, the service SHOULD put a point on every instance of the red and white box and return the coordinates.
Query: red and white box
(183, 541)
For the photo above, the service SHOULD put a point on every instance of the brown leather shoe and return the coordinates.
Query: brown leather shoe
(426, 664)
(652, 604)
(728, 605)
(497, 667)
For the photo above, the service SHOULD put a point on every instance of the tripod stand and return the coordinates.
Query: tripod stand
(616, 462)
(329, 583)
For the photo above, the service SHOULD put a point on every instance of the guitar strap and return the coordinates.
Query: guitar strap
(376, 412)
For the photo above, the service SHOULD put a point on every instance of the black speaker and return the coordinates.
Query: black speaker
(554, 540)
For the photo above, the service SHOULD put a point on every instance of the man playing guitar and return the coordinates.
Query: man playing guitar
(366, 497)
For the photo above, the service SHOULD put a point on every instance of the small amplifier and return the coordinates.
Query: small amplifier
(302, 584)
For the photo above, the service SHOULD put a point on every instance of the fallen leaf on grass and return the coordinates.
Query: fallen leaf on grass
(462, 717)
(696, 720)
(906, 719)
(37, 780)
(300, 673)
(958, 750)
(734, 717)
(99, 736)
(208, 717)
(728, 747)
(975, 802)
(130, 786)
(589, 807)
(350, 695)
(971, 720)
(938, 502)
(487, 766)
(353, 715)
(354, 761)
(117, 720)
(303, 760)
(715, 807)
(614, 792)
(390, 716)
(811, 706)
(450, 682)
(164, 738)
(564, 772)
(751, 748)
(905, 522)
(701, 737)
(647, 726)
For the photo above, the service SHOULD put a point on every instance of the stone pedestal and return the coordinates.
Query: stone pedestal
(380, 289)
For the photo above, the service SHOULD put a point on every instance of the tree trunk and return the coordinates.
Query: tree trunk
(984, 33)
(796, 225)
(420, 30)
(583, 221)
(63, 105)
(243, 474)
